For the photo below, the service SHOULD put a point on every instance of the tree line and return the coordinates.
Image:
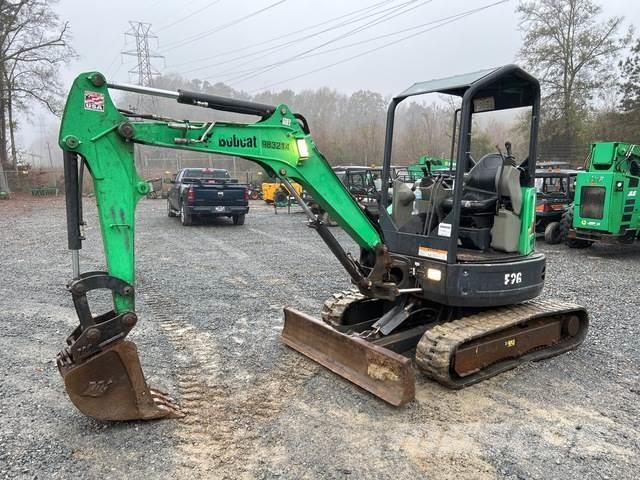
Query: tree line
(349, 129)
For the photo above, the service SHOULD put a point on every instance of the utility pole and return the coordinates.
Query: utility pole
(141, 32)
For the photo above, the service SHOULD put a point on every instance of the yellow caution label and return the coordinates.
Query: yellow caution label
(510, 343)
(432, 253)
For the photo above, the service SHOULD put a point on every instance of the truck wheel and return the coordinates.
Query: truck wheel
(238, 219)
(552, 233)
(566, 224)
(185, 217)
(170, 212)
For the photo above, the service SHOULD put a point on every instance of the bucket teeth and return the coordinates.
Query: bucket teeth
(164, 402)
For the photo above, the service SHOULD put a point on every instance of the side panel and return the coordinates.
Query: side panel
(494, 284)
(527, 240)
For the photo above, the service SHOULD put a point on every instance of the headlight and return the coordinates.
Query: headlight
(434, 274)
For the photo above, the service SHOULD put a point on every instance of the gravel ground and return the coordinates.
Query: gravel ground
(210, 300)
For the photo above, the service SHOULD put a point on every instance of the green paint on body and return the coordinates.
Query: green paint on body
(527, 239)
(607, 196)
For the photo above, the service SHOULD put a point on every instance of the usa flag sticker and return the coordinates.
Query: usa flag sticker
(94, 101)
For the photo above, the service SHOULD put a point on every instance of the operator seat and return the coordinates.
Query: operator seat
(481, 186)
(492, 177)
(479, 194)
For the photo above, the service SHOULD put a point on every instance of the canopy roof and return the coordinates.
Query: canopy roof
(455, 85)
(494, 89)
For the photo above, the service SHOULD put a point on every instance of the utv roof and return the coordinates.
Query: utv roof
(510, 85)
(556, 172)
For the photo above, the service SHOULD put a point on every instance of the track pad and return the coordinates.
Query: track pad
(111, 386)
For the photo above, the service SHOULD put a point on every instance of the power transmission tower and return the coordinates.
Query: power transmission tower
(141, 32)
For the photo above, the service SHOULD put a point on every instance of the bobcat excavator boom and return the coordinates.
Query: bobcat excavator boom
(400, 299)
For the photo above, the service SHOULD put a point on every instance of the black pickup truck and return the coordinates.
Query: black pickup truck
(207, 192)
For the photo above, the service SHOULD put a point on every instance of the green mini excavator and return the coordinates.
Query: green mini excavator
(446, 277)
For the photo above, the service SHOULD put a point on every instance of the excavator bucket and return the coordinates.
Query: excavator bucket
(111, 386)
(386, 374)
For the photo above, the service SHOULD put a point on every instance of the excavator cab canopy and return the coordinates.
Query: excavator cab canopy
(481, 209)
(509, 87)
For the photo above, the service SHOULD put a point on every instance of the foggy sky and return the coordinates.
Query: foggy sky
(486, 39)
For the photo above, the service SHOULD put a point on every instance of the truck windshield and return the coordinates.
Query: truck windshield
(551, 185)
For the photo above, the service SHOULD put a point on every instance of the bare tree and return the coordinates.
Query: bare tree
(573, 51)
(34, 43)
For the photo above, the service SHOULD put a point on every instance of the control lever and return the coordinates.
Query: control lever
(507, 146)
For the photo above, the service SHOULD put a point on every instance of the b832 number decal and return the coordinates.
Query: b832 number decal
(513, 278)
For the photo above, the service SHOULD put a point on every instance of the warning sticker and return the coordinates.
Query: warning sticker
(432, 253)
(483, 104)
(94, 101)
(444, 230)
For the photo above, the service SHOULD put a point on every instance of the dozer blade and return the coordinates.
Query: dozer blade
(111, 386)
(384, 373)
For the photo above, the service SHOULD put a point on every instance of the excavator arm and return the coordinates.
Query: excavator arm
(101, 369)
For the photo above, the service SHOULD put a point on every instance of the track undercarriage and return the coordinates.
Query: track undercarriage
(455, 347)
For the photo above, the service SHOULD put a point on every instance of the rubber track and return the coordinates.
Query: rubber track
(334, 307)
(434, 353)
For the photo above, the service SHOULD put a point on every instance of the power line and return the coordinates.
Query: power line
(207, 33)
(111, 63)
(378, 48)
(383, 18)
(378, 37)
(286, 35)
(281, 46)
(368, 40)
(157, 2)
(116, 70)
(208, 5)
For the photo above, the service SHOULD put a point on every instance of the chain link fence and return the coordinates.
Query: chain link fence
(37, 181)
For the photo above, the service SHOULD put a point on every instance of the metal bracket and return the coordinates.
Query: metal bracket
(394, 317)
(89, 281)
(93, 333)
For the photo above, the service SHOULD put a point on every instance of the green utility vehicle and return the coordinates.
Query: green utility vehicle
(555, 189)
(606, 207)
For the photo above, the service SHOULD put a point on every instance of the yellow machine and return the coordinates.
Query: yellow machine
(270, 190)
